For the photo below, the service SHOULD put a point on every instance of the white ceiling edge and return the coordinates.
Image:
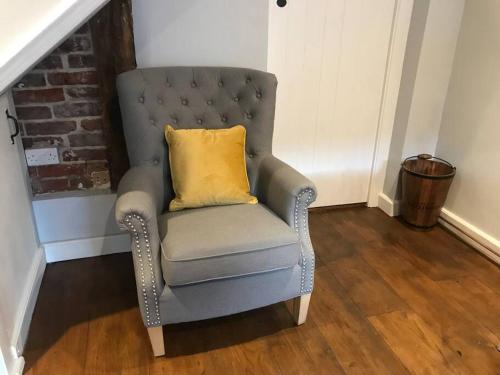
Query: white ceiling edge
(45, 41)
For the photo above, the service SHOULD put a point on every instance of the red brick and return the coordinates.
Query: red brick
(96, 166)
(49, 127)
(32, 80)
(83, 109)
(32, 171)
(74, 44)
(33, 113)
(38, 96)
(27, 142)
(84, 154)
(73, 78)
(60, 170)
(84, 92)
(80, 182)
(76, 106)
(50, 62)
(36, 188)
(32, 142)
(91, 124)
(51, 185)
(47, 141)
(81, 61)
(86, 139)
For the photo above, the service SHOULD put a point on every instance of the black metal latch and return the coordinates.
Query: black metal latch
(16, 124)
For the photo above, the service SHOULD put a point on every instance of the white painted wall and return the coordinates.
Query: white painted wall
(201, 32)
(426, 74)
(21, 259)
(433, 75)
(470, 131)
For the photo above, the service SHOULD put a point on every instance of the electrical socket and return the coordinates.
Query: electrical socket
(42, 156)
(100, 179)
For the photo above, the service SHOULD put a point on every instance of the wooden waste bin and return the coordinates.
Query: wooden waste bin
(425, 184)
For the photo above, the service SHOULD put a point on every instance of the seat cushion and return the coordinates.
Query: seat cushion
(225, 241)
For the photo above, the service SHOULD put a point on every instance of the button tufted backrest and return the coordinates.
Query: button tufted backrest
(194, 97)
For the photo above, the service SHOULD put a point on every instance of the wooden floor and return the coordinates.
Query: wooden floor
(387, 300)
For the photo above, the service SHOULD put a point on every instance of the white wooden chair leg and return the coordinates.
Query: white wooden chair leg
(156, 338)
(300, 307)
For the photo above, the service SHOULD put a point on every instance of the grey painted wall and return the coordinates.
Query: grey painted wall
(72, 216)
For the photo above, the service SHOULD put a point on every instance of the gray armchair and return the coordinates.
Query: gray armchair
(214, 261)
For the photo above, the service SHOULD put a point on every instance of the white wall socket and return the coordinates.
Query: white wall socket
(42, 156)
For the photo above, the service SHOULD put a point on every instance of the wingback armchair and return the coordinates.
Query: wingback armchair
(214, 261)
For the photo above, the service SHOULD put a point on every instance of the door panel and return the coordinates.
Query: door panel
(330, 59)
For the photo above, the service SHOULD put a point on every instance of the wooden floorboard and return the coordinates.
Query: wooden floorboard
(387, 300)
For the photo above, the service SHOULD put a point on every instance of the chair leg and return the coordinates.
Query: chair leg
(300, 307)
(156, 338)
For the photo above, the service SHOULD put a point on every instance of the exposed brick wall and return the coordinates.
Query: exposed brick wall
(58, 104)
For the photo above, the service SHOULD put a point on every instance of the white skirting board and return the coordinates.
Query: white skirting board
(29, 297)
(18, 367)
(25, 313)
(389, 206)
(482, 242)
(472, 235)
(86, 247)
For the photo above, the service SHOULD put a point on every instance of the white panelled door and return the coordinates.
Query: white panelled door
(330, 58)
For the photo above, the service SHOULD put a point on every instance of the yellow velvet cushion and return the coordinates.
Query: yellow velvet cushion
(208, 167)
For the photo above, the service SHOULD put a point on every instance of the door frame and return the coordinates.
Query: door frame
(403, 10)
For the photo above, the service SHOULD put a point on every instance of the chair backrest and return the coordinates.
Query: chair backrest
(194, 97)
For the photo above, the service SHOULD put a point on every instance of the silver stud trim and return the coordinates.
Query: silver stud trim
(302, 229)
(138, 228)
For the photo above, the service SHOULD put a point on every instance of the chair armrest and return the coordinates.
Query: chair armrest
(288, 193)
(140, 191)
(283, 189)
(140, 200)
